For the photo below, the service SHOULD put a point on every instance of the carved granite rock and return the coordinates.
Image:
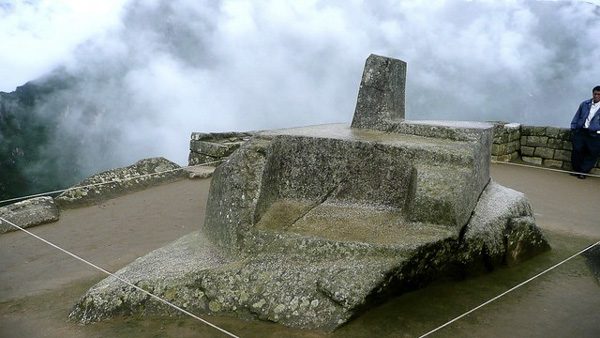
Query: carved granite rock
(316, 224)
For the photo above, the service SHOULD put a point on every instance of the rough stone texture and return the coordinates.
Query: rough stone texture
(381, 93)
(28, 213)
(544, 152)
(200, 171)
(562, 155)
(309, 226)
(502, 229)
(214, 148)
(116, 182)
(552, 163)
(527, 151)
(532, 160)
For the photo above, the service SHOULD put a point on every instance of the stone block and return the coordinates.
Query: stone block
(562, 155)
(553, 132)
(214, 149)
(536, 141)
(527, 130)
(595, 171)
(527, 151)
(523, 140)
(513, 146)
(514, 135)
(539, 131)
(499, 149)
(381, 93)
(532, 160)
(565, 134)
(567, 145)
(221, 137)
(28, 213)
(501, 158)
(552, 163)
(544, 152)
(567, 165)
(555, 143)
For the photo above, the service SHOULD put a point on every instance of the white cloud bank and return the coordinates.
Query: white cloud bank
(38, 35)
(157, 70)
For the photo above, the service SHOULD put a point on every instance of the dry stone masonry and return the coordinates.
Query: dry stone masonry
(543, 146)
(307, 227)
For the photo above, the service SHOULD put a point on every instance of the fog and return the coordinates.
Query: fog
(150, 72)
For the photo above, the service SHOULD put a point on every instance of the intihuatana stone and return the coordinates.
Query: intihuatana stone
(120, 181)
(28, 213)
(381, 93)
(315, 224)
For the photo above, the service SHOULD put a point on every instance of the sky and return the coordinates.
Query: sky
(153, 71)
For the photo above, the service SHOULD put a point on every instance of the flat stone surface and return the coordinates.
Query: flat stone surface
(28, 213)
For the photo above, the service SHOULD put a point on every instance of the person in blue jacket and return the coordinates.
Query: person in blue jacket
(585, 135)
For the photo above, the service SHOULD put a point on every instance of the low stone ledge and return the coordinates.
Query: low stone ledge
(28, 213)
(214, 148)
(532, 160)
(200, 171)
(120, 181)
(552, 163)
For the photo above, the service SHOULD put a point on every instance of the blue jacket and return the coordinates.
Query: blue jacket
(582, 113)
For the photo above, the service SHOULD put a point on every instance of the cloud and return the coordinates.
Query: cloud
(39, 35)
(154, 71)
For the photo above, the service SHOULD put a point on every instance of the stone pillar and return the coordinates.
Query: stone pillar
(381, 94)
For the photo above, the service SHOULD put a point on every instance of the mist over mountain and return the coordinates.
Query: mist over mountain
(167, 68)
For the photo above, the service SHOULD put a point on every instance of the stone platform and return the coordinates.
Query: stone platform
(314, 225)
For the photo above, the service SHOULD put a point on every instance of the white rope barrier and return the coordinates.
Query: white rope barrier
(103, 183)
(508, 291)
(120, 279)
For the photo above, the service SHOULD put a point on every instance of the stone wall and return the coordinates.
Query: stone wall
(544, 146)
